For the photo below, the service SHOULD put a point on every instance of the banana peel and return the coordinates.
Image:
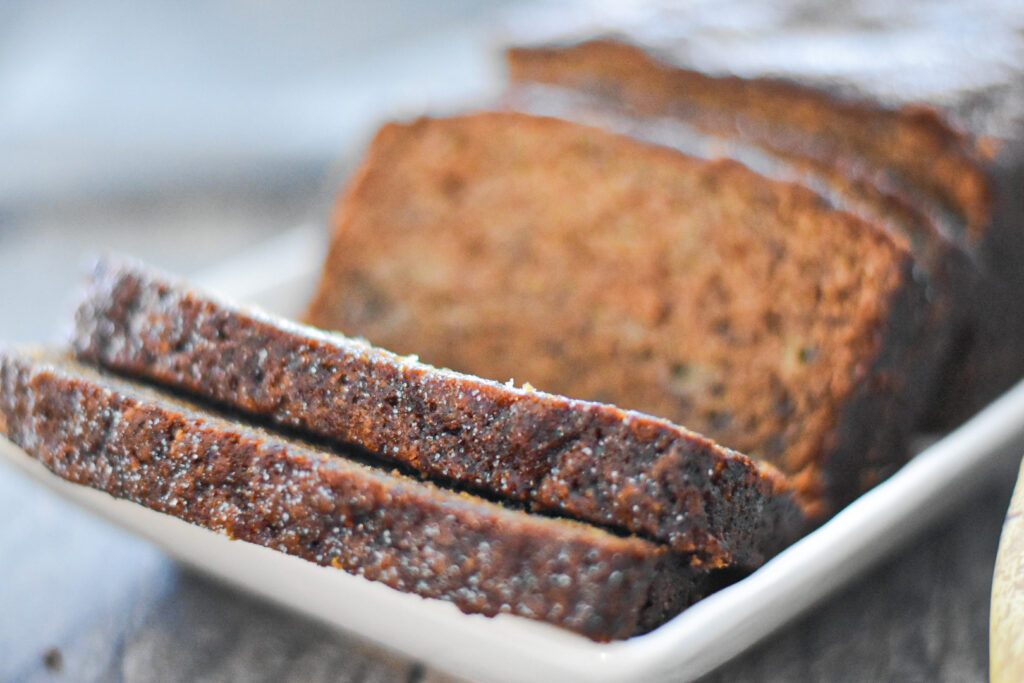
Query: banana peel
(1006, 628)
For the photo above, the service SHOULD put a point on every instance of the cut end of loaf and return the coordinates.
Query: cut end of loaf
(601, 268)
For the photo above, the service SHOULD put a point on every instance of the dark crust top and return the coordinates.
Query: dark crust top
(590, 461)
(242, 481)
(913, 143)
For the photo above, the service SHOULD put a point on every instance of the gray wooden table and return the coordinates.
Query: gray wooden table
(82, 601)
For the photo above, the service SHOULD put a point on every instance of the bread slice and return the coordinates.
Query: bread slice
(237, 479)
(589, 461)
(598, 267)
(955, 193)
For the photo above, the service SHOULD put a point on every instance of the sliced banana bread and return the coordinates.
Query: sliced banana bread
(237, 479)
(594, 462)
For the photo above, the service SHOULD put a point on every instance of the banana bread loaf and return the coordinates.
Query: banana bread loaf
(237, 479)
(601, 268)
(594, 462)
(861, 119)
(942, 266)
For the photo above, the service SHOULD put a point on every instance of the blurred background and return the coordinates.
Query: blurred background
(185, 132)
(182, 132)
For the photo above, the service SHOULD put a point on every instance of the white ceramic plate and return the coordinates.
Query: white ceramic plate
(279, 275)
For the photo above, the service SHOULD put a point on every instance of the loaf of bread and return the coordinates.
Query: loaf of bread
(237, 479)
(590, 461)
(619, 87)
(905, 157)
(602, 268)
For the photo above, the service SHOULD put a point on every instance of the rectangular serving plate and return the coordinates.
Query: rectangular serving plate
(279, 275)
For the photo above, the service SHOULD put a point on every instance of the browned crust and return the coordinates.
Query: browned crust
(914, 142)
(591, 461)
(241, 481)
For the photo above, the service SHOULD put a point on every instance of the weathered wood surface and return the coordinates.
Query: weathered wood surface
(82, 601)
